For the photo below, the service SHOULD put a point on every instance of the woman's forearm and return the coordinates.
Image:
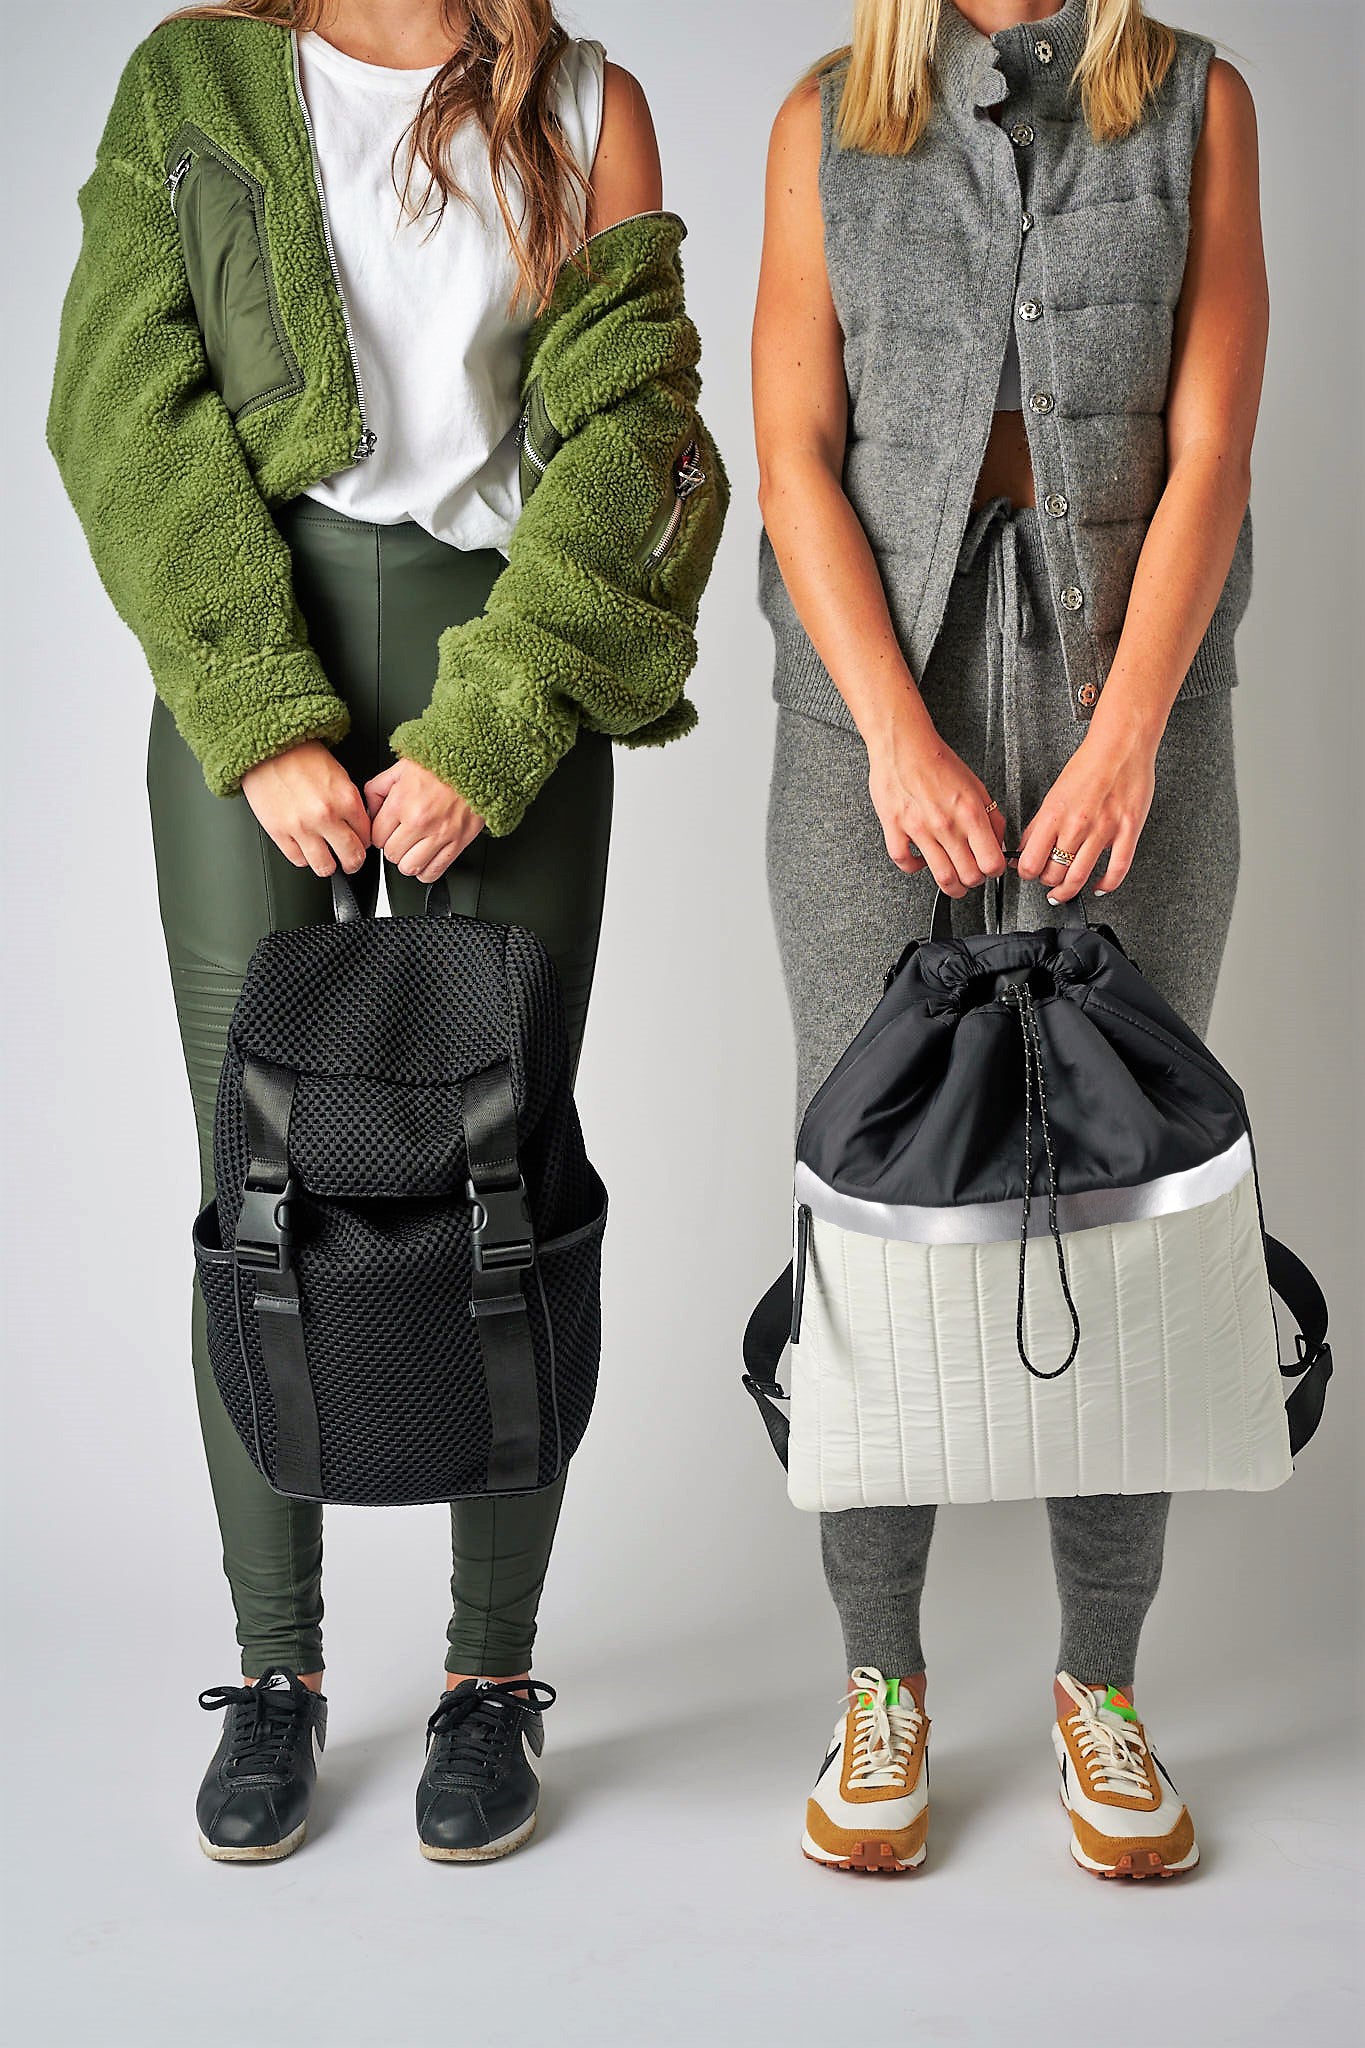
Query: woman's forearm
(1179, 576)
(832, 579)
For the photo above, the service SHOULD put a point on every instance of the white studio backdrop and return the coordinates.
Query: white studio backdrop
(685, 1615)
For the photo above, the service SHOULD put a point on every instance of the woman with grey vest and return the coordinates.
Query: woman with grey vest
(1008, 355)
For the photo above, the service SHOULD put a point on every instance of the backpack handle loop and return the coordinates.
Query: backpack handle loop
(941, 917)
(345, 903)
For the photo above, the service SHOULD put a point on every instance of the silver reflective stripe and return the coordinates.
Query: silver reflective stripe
(989, 1222)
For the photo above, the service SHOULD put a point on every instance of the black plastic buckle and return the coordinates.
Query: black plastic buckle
(504, 1239)
(264, 1238)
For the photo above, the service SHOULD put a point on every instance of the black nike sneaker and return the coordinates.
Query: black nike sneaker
(253, 1803)
(480, 1788)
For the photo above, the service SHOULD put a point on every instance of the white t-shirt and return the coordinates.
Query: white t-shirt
(439, 356)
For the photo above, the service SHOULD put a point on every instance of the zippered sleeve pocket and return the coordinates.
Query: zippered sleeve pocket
(687, 479)
(219, 208)
(538, 440)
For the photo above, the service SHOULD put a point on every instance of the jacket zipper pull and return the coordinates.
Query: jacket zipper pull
(172, 183)
(365, 446)
(690, 476)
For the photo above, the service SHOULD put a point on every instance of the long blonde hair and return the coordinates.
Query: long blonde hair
(890, 84)
(502, 76)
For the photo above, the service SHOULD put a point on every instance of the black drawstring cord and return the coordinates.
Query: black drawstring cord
(1020, 999)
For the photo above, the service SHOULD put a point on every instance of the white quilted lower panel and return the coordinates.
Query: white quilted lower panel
(907, 1386)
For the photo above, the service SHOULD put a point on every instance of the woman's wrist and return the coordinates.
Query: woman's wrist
(1124, 724)
(897, 726)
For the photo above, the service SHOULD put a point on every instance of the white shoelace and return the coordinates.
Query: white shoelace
(1115, 1750)
(884, 1733)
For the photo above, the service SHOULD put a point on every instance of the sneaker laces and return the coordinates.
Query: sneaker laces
(885, 1731)
(264, 1719)
(471, 1725)
(1114, 1748)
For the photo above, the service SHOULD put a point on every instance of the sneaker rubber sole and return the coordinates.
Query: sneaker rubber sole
(1134, 1864)
(872, 1857)
(268, 1852)
(488, 1852)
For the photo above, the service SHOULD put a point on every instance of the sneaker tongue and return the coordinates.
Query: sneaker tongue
(1116, 1704)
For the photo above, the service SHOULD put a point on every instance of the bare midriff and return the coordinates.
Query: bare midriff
(1006, 468)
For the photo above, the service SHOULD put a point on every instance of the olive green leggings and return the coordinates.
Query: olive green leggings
(375, 599)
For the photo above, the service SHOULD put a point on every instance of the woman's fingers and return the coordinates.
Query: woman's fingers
(352, 812)
(348, 847)
(985, 843)
(384, 822)
(417, 856)
(938, 859)
(1120, 859)
(1064, 880)
(437, 865)
(317, 853)
(400, 843)
(378, 787)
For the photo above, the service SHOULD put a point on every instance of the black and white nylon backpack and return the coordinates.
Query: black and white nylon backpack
(1030, 1257)
(402, 1267)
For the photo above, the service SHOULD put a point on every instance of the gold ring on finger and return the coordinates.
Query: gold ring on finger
(991, 805)
(1062, 857)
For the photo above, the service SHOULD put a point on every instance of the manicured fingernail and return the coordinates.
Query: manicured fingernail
(1052, 899)
(1101, 892)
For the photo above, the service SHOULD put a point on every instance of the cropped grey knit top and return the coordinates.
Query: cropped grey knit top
(1022, 224)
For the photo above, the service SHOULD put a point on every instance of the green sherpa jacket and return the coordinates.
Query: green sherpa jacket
(205, 374)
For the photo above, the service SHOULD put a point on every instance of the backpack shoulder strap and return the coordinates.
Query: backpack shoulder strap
(1312, 1364)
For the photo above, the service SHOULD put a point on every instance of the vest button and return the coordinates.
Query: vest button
(1087, 694)
(1026, 221)
(1056, 504)
(1042, 50)
(1072, 600)
(1021, 134)
(1029, 309)
(1041, 401)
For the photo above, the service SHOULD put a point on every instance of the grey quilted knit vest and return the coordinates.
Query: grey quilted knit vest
(931, 256)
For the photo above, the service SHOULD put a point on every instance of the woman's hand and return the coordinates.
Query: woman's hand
(420, 823)
(307, 803)
(933, 812)
(1100, 800)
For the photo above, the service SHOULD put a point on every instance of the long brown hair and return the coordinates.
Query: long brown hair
(502, 76)
(890, 83)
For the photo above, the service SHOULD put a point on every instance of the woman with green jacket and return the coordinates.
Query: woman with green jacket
(376, 398)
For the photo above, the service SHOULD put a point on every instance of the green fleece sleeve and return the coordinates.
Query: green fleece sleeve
(182, 539)
(580, 629)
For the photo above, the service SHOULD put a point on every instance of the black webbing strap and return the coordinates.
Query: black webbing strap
(766, 1336)
(1312, 1365)
(263, 1246)
(770, 1329)
(504, 1252)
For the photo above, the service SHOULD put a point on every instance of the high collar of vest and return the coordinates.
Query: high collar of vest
(979, 71)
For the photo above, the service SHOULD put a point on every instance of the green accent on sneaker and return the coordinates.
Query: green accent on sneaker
(893, 1692)
(1118, 1703)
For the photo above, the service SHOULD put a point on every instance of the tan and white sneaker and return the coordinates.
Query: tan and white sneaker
(1127, 1819)
(870, 1807)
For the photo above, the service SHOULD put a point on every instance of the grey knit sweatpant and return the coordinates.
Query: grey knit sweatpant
(996, 688)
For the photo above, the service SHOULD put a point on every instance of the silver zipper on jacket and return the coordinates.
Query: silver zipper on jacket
(688, 476)
(538, 462)
(368, 438)
(177, 174)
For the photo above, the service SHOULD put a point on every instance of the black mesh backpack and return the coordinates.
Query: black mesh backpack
(401, 1269)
